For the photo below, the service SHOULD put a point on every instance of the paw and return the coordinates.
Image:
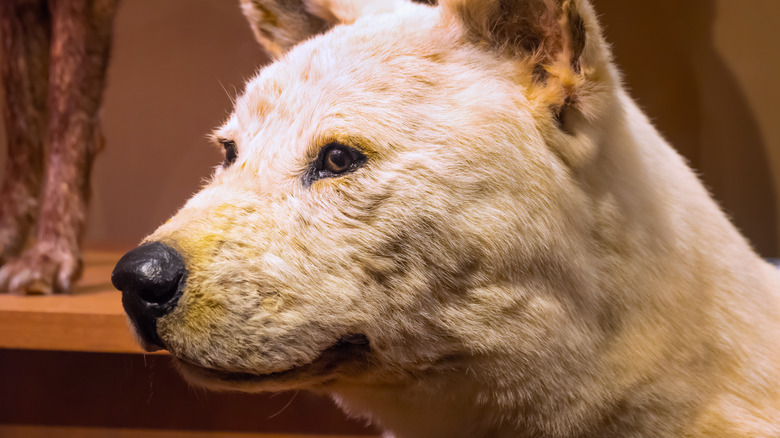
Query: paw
(42, 269)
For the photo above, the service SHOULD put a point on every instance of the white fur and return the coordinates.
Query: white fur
(513, 279)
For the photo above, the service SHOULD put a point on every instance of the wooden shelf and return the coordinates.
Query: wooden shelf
(56, 381)
(83, 432)
(91, 319)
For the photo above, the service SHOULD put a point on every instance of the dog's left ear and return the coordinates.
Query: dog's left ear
(281, 24)
(551, 31)
(559, 42)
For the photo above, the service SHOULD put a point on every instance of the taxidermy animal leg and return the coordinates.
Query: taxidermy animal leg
(81, 40)
(24, 73)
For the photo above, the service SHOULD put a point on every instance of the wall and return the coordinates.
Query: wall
(176, 65)
(703, 69)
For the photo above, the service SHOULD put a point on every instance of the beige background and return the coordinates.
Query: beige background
(705, 70)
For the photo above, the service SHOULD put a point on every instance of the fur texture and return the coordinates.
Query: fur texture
(524, 253)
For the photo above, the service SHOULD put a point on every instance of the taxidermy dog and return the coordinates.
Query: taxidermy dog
(456, 222)
(54, 59)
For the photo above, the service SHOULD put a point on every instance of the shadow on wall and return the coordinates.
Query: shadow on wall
(666, 50)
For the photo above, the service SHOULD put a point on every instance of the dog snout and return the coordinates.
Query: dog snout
(151, 278)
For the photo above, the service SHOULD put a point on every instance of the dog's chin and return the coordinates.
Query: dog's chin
(347, 357)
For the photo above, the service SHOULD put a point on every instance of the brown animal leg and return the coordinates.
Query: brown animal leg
(24, 75)
(81, 41)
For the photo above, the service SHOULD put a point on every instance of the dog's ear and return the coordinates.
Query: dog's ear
(560, 44)
(281, 24)
(550, 31)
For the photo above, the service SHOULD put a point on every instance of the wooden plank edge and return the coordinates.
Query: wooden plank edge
(24, 431)
(66, 332)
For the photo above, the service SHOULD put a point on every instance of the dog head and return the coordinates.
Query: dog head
(400, 190)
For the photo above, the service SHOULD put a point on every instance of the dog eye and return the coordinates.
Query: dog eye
(337, 160)
(231, 152)
(334, 160)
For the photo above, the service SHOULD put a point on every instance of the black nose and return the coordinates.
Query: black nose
(150, 278)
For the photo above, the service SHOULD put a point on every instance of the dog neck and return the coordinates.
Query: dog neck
(419, 411)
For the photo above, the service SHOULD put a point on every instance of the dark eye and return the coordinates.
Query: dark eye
(334, 160)
(337, 160)
(231, 152)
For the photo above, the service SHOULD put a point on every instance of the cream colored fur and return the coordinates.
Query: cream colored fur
(515, 276)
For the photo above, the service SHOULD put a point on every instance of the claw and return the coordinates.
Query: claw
(41, 270)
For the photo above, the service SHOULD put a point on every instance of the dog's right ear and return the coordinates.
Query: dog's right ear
(281, 24)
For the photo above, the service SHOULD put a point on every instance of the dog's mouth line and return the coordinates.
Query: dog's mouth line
(350, 346)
